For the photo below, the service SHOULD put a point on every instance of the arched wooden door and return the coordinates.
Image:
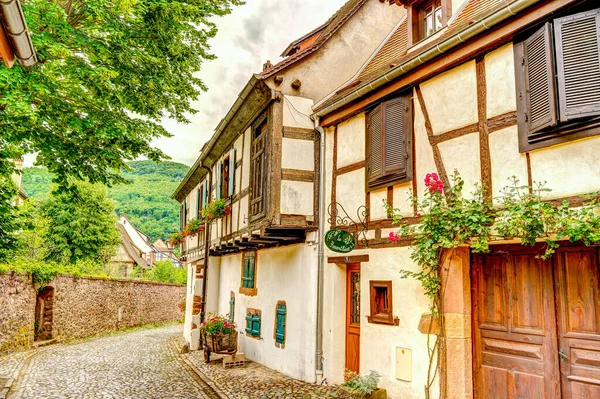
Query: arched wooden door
(353, 317)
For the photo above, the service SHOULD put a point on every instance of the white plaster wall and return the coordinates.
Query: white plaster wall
(189, 301)
(297, 111)
(500, 81)
(506, 160)
(451, 98)
(243, 212)
(350, 191)
(379, 342)
(568, 169)
(402, 198)
(351, 141)
(297, 198)
(282, 274)
(462, 154)
(423, 152)
(213, 285)
(297, 154)
(343, 54)
(377, 209)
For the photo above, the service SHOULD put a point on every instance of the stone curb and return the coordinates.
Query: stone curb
(204, 379)
(9, 384)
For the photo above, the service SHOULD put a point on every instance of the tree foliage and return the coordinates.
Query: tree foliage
(81, 225)
(146, 201)
(108, 72)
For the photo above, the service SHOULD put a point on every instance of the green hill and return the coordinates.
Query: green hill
(146, 202)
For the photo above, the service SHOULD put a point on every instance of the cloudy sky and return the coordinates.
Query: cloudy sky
(250, 35)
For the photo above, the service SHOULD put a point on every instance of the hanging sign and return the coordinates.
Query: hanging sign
(339, 241)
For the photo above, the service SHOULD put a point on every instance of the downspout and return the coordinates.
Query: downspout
(321, 256)
(206, 251)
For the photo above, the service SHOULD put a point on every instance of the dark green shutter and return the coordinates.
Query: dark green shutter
(232, 309)
(198, 203)
(256, 325)
(251, 272)
(231, 172)
(249, 323)
(204, 193)
(577, 39)
(219, 179)
(280, 324)
(245, 276)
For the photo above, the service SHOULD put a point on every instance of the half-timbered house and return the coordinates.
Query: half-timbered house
(258, 263)
(493, 89)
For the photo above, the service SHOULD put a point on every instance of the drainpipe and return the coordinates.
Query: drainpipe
(15, 26)
(321, 256)
(206, 251)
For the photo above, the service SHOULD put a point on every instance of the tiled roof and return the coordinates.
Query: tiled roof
(394, 51)
(333, 24)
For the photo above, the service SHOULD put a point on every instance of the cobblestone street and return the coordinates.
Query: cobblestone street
(138, 364)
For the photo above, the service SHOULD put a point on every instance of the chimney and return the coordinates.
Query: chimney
(267, 65)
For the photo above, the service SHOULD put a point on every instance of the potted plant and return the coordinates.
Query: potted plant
(176, 238)
(218, 335)
(193, 226)
(216, 210)
(364, 386)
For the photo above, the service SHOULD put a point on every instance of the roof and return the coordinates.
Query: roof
(394, 50)
(130, 248)
(135, 235)
(334, 23)
(160, 245)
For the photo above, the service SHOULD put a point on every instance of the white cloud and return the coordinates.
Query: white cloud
(250, 35)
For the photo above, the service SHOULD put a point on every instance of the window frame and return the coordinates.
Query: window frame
(562, 131)
(394, 177)
(386, 317)
(250, 291)
(416, 29)
(261, 121)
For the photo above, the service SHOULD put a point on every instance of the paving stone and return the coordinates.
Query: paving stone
(139, 364)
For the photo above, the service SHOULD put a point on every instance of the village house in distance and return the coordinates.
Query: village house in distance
(356, 114)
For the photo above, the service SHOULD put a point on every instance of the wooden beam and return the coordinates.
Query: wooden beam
(347, 259)
(307, 176)
(298, 133)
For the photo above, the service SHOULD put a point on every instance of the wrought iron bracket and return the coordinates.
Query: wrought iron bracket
(339, 218)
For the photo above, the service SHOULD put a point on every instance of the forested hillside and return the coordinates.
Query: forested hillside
(146, 202)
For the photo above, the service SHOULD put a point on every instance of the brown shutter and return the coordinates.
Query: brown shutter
(578, 62)
(394, 148)
(540, 87)
(374, 128)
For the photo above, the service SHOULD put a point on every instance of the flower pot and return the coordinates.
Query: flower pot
(379, 393)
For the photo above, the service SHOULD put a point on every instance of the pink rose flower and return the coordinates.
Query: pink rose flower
(393, 237)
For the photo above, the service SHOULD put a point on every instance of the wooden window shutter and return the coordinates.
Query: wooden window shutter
(394, 133)
(181, 217)
(204, 194)
(198, 199)
(540, 87)
(374, 129)
(578, 63)
(219, 179)
(280, 323)
(231, 172)
(232, 309)
(251, 270)
(249, 323)
(185, 213)
(256, 325)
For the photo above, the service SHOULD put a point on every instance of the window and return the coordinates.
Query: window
(232, 307)
(426, 18)
(248, 283)
(280, 324)
(198, 203)
(381, 303)
(253, 323)
(258, 168)
(389, 148)
(558, 81)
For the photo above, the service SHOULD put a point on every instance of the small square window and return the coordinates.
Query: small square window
(425, 18)
(381, 303)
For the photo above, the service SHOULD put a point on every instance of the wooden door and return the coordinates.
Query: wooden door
(514, 327)
(353, 317)
(578, 293)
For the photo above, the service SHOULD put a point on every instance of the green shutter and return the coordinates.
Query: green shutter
(232, 309)
(198, 203)
(249, 323)
(219, 179)
(256, 325)
(204, 194)
(245, 278)
(280, 326)
(251, 272)
(231, 173)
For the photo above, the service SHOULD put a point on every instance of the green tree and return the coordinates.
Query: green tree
(164, 271)
(9, 218)
(108, 72)
(81, 224)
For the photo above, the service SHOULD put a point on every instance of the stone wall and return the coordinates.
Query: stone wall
(88, 306)
(17, 305)
(70, 307)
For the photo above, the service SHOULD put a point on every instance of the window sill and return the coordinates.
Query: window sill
(280, 346)
(383, 319)
(559, 135)
(256, 337)
(248, 291)
(388, 181)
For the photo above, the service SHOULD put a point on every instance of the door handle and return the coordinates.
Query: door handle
(562, 354)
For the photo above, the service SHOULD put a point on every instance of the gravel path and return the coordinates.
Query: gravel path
(139, 364)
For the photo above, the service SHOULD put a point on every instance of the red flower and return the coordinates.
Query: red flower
(433, 183)
(227, 210)
(418, 215)
(393, 237)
